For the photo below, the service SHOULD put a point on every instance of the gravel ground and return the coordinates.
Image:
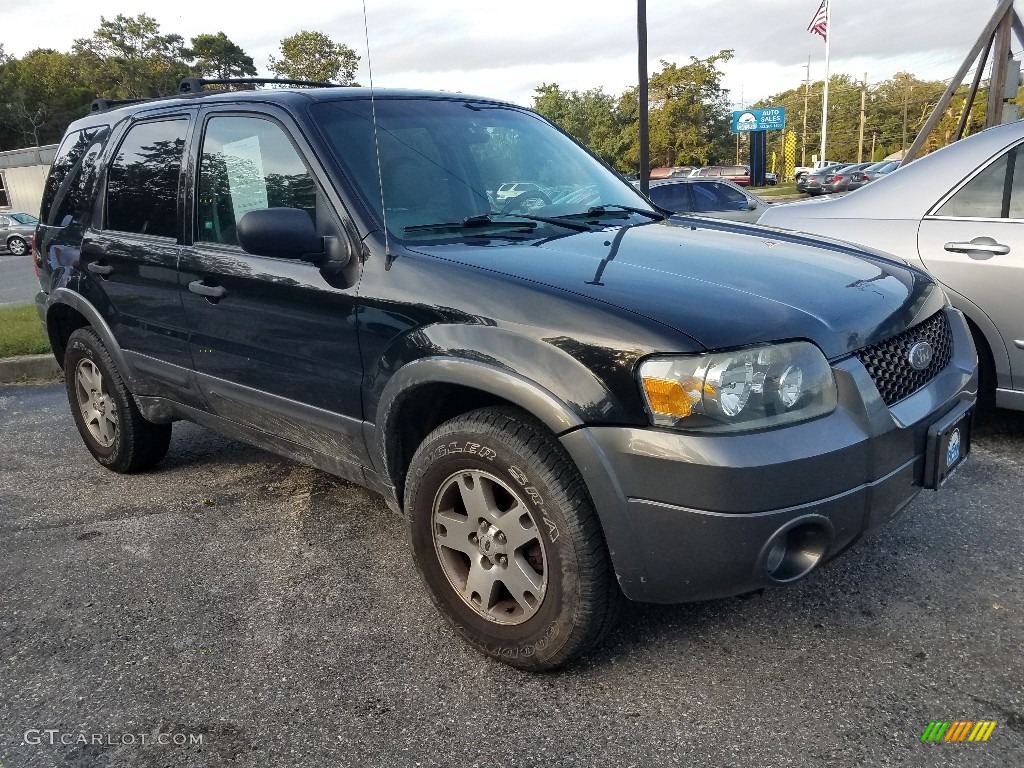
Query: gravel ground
(274, 612)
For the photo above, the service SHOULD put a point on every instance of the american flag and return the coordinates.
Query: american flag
(819, 24)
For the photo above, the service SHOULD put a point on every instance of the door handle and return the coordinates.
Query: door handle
(209, 291)
(982, 244)
(99, 269)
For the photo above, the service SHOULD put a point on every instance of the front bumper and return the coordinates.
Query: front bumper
(690, 517)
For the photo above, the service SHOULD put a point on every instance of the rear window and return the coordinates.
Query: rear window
(69, 185)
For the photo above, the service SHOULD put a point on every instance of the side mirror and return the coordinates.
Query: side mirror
(287, 233)
(751, 205)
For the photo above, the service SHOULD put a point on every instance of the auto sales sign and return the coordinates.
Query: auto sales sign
(768, 119)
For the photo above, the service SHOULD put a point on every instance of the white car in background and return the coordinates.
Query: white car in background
(959, 212)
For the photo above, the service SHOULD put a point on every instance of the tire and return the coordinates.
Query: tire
(553, 555)
(105, 412)
(17, 245)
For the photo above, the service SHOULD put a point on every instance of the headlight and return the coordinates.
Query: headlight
(751, 388)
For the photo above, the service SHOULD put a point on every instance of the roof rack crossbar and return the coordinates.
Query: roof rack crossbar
(197, 84)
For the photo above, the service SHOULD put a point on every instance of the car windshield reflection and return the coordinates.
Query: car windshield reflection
(457, 161)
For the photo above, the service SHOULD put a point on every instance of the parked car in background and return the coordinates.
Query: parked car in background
(514, 189)
(666, 172)
(717, 198)
(839, 179)
(801, 170)
(16, 230)
(813, 183)
(737, 174)
(873, 172)
(959, 212)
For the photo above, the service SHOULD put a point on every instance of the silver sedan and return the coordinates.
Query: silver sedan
(16, 230)
(959, 212)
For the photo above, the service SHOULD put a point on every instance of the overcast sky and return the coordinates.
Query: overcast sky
(506, 49)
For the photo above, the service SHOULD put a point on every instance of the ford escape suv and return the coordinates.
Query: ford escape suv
(570, 396)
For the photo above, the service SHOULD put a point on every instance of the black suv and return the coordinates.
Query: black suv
(569, 396)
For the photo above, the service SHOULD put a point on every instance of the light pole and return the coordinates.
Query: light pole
(641, 38)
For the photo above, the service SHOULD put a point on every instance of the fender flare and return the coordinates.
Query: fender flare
(500, 382)
(99, 325)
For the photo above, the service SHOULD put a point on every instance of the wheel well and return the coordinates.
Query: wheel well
(419, 413)
(61, 322)
(986, 364)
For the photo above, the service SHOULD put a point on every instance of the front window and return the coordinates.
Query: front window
(446, 162)
(24, 218)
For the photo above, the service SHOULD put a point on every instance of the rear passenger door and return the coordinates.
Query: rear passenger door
(129, 257)
(273, 339)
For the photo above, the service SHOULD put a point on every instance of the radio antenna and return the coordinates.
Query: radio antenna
(376, 139)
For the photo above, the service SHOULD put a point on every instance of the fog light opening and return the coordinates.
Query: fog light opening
(793, 552)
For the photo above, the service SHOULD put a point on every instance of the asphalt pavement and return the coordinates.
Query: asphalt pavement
(18, 283)
(273, 613)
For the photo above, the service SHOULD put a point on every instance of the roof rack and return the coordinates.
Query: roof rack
(198, 84)
(102, 105)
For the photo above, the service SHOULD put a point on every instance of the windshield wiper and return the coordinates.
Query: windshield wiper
(470, 222)
(597, 210)
(486, 221)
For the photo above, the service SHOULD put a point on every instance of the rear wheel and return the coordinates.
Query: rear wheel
(114, 430)
(507, 540)
(17, 246)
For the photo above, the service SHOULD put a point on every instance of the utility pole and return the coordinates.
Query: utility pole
(873, 137)
(807, 91)
(645, 136)
(863, 95)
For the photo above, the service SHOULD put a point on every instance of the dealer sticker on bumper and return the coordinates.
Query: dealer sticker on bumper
(949, 442)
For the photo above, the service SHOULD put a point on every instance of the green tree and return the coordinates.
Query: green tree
(314, 56)
(689, 112)
(216, 56)
(41, 94)
(128, 58)
(591, 117)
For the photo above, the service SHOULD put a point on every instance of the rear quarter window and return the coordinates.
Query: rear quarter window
(69, 185)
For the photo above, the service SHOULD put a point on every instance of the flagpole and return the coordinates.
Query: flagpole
(824, 102)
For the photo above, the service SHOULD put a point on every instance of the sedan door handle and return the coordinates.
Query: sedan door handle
(99, 269)
(209, 291)
(979, 244)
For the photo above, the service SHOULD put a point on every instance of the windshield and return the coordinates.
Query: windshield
(446, 162)
(24, 218)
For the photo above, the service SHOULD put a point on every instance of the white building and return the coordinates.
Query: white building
(22, 175)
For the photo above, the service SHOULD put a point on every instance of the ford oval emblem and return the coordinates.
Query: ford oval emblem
(920, 355)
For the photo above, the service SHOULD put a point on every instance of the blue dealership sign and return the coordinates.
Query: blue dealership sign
(768, 119)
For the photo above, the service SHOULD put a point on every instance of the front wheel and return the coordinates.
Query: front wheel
(507, 540)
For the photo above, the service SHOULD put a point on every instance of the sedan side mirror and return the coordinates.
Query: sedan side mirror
(287, 233)
(751, 205)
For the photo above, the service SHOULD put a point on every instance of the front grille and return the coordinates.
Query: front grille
(889, 364)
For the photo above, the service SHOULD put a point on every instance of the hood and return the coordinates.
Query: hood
(721, 283)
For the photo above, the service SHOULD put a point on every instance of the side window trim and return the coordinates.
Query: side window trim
(1008, 151)
(111, 151)
(195, 157)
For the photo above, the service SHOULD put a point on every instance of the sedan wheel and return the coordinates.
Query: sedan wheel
(17, 246)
